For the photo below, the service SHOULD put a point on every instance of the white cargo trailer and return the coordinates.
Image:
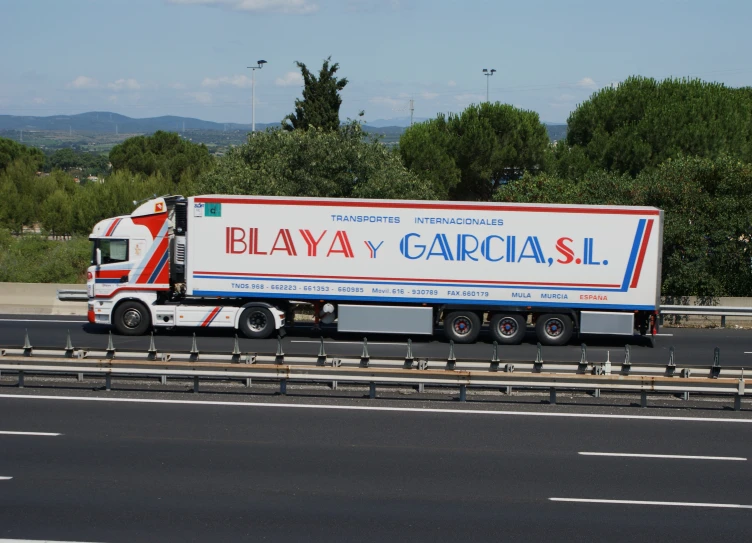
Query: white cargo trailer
(379, 266)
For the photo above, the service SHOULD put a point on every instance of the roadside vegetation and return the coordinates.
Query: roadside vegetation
(682, 145)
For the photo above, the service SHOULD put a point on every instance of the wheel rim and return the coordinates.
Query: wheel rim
(508, 327)
(257, 321)
(462, 326)
(132, 318)
(554, 328)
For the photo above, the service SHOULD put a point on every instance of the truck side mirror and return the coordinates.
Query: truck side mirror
(99, 257)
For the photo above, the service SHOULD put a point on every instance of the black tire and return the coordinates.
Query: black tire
(508, 328)
(131, 318)
(256, 323)
(462, 326)
(554, 329)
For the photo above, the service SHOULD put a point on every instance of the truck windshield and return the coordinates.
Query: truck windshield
(113, 250)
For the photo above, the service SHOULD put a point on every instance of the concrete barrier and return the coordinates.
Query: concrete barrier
(38, 299)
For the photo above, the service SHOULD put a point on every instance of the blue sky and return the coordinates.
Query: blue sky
(146, 58)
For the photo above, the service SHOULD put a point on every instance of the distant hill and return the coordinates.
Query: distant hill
(105, 122)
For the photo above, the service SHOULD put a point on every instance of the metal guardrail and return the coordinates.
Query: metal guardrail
(71, 295)
(707, 310)
(583, 375)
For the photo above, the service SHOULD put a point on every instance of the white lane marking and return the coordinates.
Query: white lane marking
(40, 320)
(43, 434)
(664, 335)
(35, 541)
(5, 479)
(346, 342)
(667, 456)
(642, 502)
(376, 408)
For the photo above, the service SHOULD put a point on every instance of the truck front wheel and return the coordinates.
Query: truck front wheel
(508, 328)
(256, 323)
(131, 318)
(462, 326)
(554, 329)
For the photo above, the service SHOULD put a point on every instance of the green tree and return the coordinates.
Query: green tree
(316, 162)
(321, 100)
(163, 152)
(643, 122)
(468, 156)
(11, 151)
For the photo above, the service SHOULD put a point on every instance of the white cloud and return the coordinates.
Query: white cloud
(83, 82)
(200, 97)
(586, 83)
(470, 98)
(296, 7)
(386, 101)
(452, 83)
(177, 86)
(429, 95)
(290, 79)
(128, 84)
(240, 81)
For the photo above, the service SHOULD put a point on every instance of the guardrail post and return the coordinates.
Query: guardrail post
(685, 373)
(372, 391)
(538, 364)
(80, 377)
(552, 396)
(451, 359)
(20, 378)
(643, 398)
(365, 358)
(195, 384)
(715, 371)
(163, 379)
(247, 382)
(509, 390)
(110, 347)
(495, 357)
(463, 393)
(194, 350)
(283, 387)
(151, 353)
(68, 346)
(583, 357)
(627, 364)
(723, 321)
(336, 363)
(409, 355)
(27, 344)
(108, 382)
(279, 357)
(739, 394)
(422, 366)
(671, 366)
(236, 350)
(321, 359)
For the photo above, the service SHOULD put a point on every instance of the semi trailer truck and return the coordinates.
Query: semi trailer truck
(378, 266)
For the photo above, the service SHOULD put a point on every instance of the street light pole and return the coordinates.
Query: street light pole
(253, 92)
(488, 74)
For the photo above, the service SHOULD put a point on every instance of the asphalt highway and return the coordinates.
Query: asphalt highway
(139, 470)
(692, 347)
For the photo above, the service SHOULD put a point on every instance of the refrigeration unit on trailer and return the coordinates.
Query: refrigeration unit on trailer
(378, 266)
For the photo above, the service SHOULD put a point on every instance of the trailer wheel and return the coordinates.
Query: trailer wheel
(131, 318)
(462, 326)
(257, 323)
(554, 329)
(508, 328)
